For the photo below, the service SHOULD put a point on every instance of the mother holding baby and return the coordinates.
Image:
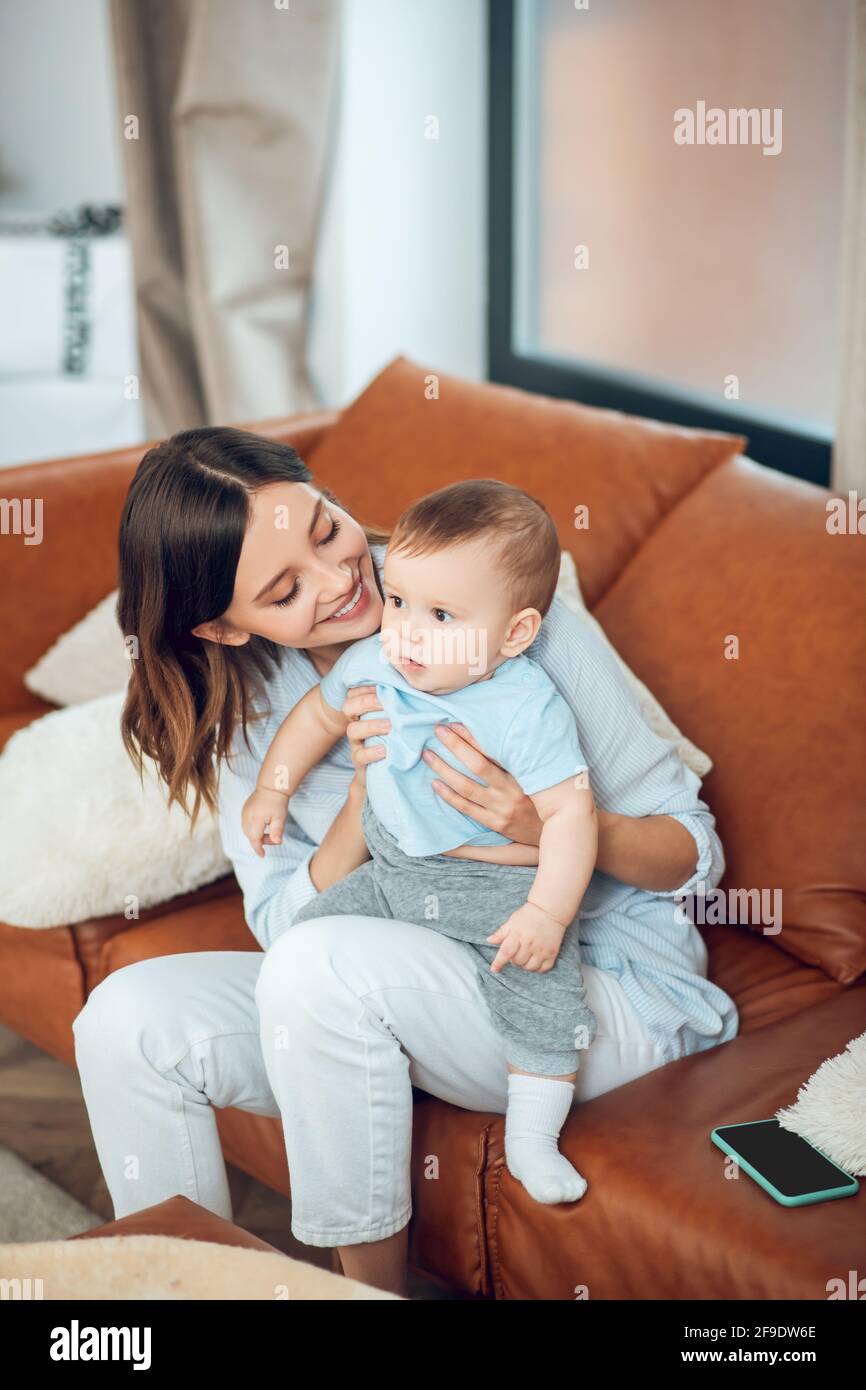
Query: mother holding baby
(244, 581)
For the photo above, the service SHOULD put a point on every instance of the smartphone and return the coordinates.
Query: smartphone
(786, 1165)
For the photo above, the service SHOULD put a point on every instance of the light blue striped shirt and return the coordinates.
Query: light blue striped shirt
(636, 935)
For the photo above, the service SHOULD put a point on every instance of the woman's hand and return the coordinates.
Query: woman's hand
(359, 700)
(500, 804)
(655, 853)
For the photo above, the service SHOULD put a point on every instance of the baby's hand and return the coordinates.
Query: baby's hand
(264, 811)
(531, 938)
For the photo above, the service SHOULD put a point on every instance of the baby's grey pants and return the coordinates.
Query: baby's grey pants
(542, 1016)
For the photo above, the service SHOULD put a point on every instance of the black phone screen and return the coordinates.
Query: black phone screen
(787, 1160)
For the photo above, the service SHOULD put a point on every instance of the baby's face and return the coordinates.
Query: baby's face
(447, 617)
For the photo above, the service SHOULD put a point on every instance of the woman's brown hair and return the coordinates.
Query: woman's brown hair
(181, 533)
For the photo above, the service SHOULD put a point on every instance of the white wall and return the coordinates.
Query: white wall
(59, 136)
(60, 147)
(402, 259)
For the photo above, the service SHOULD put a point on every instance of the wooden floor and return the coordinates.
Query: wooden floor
(44, 1120)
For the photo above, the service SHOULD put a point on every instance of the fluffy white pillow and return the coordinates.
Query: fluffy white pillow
(79, 835)
(87, 661)
(829, 1108)
(568, 589)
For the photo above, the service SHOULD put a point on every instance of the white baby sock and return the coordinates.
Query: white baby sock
(537, 1109)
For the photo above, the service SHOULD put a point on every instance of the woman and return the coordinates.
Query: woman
(243, 582)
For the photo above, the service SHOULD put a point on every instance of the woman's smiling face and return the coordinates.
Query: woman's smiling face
(305, 576)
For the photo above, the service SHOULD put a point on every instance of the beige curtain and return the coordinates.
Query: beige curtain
(227, 116)
(849, 453)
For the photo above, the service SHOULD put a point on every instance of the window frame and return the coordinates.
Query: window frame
(786, 446)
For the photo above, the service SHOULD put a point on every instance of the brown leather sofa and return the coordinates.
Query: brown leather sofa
(689, 543)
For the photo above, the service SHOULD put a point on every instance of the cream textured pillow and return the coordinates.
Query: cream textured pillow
(830, 1107)
(147, 1267)
(79, 835)
(87, 661)
(568, 589)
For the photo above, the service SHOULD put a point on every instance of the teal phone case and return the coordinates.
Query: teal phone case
(804, 1198)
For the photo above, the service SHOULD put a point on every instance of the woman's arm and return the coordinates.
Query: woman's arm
(656, 853)
(661, 837)
(276, 887)
(664, 837)
(664, 840)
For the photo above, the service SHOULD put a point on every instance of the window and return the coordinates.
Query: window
(666, 188)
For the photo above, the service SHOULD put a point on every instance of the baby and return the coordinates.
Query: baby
(469, 573)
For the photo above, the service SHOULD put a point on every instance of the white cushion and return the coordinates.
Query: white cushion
(80, 836)
(146, 1268)
(828, 1110)
(568, 589)
(87, 661)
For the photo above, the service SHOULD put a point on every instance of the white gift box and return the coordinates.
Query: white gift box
(68, 349)
(35, 276)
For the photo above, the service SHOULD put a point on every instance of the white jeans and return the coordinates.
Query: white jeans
(329, 1029)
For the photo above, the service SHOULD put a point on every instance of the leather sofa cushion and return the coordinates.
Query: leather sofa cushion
(747, 554)
(661, 1217)
(393, 444)
(765, 983)
(212, 921)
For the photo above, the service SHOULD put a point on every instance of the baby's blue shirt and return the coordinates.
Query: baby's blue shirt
(517, 716)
